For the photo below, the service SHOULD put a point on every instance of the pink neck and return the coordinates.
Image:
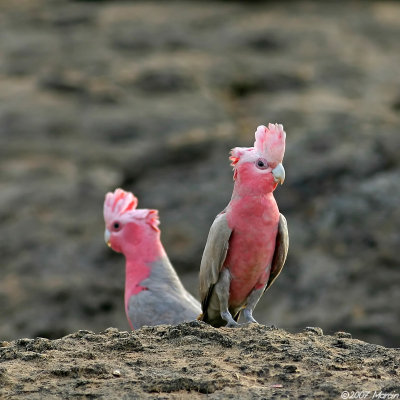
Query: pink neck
(253, 189)
(138, 265)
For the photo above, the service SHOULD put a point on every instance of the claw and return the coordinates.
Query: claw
(230, 322)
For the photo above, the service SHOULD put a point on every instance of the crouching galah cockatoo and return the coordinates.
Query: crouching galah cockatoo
(154, 294)
(248, 241)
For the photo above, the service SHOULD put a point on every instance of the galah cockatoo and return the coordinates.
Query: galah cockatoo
(154, 294)
(248, 241)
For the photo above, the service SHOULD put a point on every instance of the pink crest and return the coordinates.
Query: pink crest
(152, 219)
(270, 142)
(118, 203)
(236, 154)
(123, 204)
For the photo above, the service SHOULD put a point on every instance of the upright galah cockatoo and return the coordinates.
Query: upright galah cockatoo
(248, 241)
(154, 295)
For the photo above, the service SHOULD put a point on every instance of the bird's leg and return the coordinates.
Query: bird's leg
(252, 301)
(222, 291)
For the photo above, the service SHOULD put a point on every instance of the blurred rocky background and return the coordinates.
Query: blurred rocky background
(150, 96)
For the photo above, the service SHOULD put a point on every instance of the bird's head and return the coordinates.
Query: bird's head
(127, 226)
(259, 168)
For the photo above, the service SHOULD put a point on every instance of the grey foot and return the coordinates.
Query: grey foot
(248, 317)
(230, 322)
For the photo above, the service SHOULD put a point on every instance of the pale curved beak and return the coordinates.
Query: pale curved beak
(107, 236)
(279, 173)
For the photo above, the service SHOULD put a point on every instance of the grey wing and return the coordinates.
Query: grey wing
(213, 257)
(149, 308)
(281, 250)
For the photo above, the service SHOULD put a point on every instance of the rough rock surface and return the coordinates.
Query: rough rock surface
(194, 360)
(151, 96)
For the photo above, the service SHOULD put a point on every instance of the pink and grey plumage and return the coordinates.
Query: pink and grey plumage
(248, 241)
(154, 294)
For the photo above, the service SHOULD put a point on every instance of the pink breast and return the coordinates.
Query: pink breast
(251, 247)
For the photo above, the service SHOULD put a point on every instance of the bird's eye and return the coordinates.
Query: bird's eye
(116, 225)
(261, 163)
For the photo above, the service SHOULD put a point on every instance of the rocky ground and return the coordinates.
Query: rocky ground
(150, 96)
(195, 360)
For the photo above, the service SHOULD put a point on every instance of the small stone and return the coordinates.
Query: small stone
(314, 329)
(111, 330)
(85, 332)
(116, 372)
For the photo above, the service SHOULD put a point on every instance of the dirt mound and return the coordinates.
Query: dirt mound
(151, 96)
(193, 359)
